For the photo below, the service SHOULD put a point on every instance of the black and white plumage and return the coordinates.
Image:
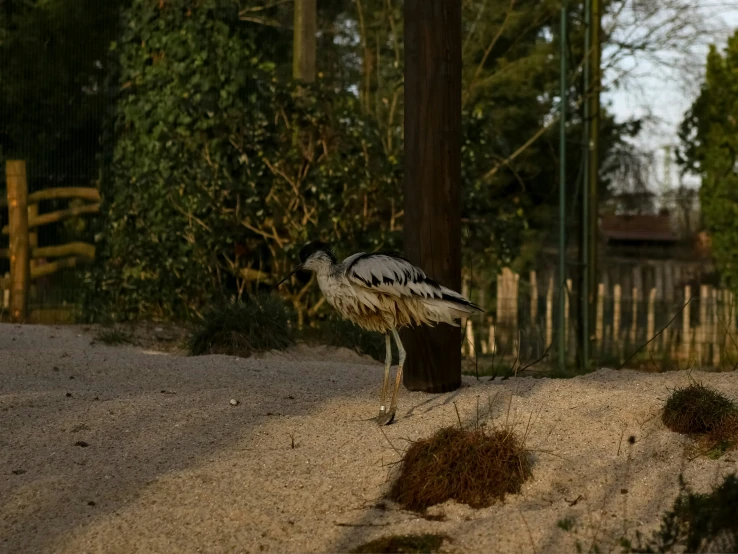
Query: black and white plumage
(383, 293)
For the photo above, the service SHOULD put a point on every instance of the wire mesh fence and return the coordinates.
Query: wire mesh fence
(57, 118)
(53, 64)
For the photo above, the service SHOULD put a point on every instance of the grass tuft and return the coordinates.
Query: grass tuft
(473, 467)
(565, 524)
(243, 327)
(114, 337)
(698, 522)
(705, 413)
(405, 544)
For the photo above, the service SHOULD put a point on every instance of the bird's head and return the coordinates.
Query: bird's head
(314, 256)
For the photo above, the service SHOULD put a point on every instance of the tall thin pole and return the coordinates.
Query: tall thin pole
(594, 146)
(432, 184)
(585, 300)
(562, 191)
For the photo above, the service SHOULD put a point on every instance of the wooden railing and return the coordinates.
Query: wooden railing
(24, 221)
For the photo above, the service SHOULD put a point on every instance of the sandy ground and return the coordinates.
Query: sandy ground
(119, 449)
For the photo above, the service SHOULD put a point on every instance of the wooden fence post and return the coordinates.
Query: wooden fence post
(533, 299)
(567, 326)
(599, 323)
(469, 342)
(730, 319)
(714, 327)
(651, 318)
(549, 311)
(617, 295)
(635, 297)
(492, 343)
(20, 269)
(702, 329)
(32, 245)
(686, 324)
(508, 287)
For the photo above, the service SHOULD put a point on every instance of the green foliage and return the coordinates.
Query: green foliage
(188, 81)
(219, 166)
(697, 522)
(494, 210)
(242, 327)
(709, 136)
(219, 170)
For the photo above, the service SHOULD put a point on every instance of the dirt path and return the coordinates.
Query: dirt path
(118, 449)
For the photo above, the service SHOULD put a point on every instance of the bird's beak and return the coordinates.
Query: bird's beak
(290, 274)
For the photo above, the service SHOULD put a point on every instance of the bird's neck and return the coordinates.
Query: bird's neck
(321, 268)
(326, 274)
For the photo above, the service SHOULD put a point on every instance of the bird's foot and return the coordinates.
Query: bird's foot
(386, 417)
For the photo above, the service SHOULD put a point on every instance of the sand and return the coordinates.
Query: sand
(122, 449)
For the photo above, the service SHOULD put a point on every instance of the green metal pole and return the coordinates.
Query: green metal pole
(585, 300)
(562, 192)
(594, 146)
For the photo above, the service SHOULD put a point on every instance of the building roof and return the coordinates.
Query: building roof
(637, 228)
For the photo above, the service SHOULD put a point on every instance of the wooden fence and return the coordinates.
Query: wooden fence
(699, 323)
(24, 252)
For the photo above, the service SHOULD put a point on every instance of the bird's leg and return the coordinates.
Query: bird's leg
(385, 383)
(390, 415)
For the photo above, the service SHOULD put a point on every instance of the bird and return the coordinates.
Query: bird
(382, 292)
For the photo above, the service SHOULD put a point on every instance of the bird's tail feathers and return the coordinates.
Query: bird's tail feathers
(459, 302)
(449, 310)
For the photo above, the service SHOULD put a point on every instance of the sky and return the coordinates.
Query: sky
(668, 94)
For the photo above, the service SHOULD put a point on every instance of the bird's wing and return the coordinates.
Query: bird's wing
(390, 275)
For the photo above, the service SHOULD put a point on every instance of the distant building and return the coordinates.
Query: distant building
(651, 236)
(647, 251)
(638, 236)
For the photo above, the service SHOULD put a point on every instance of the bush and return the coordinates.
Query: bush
(240, 328)
(470, 466)
(190, 79)
(220, 170)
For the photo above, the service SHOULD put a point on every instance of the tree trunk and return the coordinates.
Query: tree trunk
(432, 221)
(304, 42)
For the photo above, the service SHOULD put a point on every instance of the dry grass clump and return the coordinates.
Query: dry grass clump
(242, 327)
(704, 412)
(473, 467)
(405, 544)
